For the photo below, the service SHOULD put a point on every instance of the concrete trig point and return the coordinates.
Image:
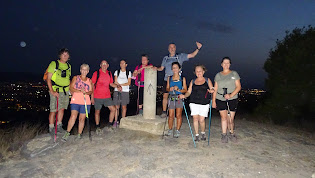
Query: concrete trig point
(149, 122)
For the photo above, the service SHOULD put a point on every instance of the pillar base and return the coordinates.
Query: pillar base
(137, 122)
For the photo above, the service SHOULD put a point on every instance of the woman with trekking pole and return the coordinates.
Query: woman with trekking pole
(199, 100)
(81, 87)
(176, 85)
(227, 85)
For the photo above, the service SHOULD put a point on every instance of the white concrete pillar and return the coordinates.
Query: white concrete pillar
(149, 96)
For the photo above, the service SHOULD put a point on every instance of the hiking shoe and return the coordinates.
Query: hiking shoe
(141, 112)
(203, 137)
(98, 131)
(65, 137)
(232, 137)
(224, 138)
(169, 133)
(115, 125)
(177, 134)
(163, 115)
(60, 129)
(197, 138)
(51, 130)
(79, 136)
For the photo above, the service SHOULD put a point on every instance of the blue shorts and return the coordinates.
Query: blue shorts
(80, 108)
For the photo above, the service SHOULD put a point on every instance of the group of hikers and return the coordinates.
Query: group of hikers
(96, 91)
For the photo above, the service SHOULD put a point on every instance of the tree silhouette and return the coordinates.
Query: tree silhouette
(291, 73)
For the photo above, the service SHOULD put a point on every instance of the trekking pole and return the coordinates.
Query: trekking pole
(87, 118)
(138, 97)
(174, 113)
(192, 135)
(168, 105)
(56, 119)
(229, 112)
(210, 119)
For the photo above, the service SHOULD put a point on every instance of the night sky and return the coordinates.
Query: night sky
(114, 30)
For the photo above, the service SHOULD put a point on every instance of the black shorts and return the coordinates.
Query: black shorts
(222, 105)
(164, 87)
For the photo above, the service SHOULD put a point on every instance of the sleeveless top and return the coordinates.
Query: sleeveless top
(77, 97)
(178, 83)
(198, 94)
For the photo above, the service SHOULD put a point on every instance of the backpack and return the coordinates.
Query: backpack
(57, 68)
(127, 73)
(98, 75)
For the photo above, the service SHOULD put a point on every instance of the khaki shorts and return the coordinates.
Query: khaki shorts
(63, 101)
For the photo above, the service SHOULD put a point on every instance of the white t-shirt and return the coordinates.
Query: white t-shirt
(121, 79)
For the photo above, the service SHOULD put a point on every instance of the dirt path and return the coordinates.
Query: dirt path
(261, 151)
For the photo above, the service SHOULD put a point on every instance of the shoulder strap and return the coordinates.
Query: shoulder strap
(97, 76)
(127, 73)
(206, 79)
(118, 72)
(57, 64)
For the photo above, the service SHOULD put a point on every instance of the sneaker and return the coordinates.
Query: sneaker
(169, 133)
(98, 131)
(60, 129)
(177, 134)
(140, 111)
(224, 138)
(115, 125)
(65, 137)
(232, 137)
(163, 115)
(203, 137)
(197, 138)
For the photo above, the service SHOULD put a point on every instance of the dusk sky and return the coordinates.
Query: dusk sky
(113, 30)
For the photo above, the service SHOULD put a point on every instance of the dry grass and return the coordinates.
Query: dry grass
(12, 139)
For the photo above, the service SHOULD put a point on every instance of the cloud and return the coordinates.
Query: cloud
(203, 25)
(215, 27)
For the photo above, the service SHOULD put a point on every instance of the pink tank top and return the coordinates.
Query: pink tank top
(77, 97)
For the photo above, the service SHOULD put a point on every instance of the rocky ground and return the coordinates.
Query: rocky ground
(261, 151)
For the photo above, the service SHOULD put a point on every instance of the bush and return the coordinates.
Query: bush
(12, 139)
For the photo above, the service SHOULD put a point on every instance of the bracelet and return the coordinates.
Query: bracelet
(199, 49)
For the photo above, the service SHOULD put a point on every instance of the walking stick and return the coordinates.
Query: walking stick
(192, 135)
(229, 112)
(87, 118)
(209, 120)
(56, 121)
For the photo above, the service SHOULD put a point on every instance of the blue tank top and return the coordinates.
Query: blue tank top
(178, 83)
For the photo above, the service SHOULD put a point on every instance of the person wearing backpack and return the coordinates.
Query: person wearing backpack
(139, 74)
(199, 100)
(102, 80)
(167, 65)
(121, 97)
(58, 81)
(176, 85)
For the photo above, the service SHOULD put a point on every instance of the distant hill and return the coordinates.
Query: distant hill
(20, 76)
